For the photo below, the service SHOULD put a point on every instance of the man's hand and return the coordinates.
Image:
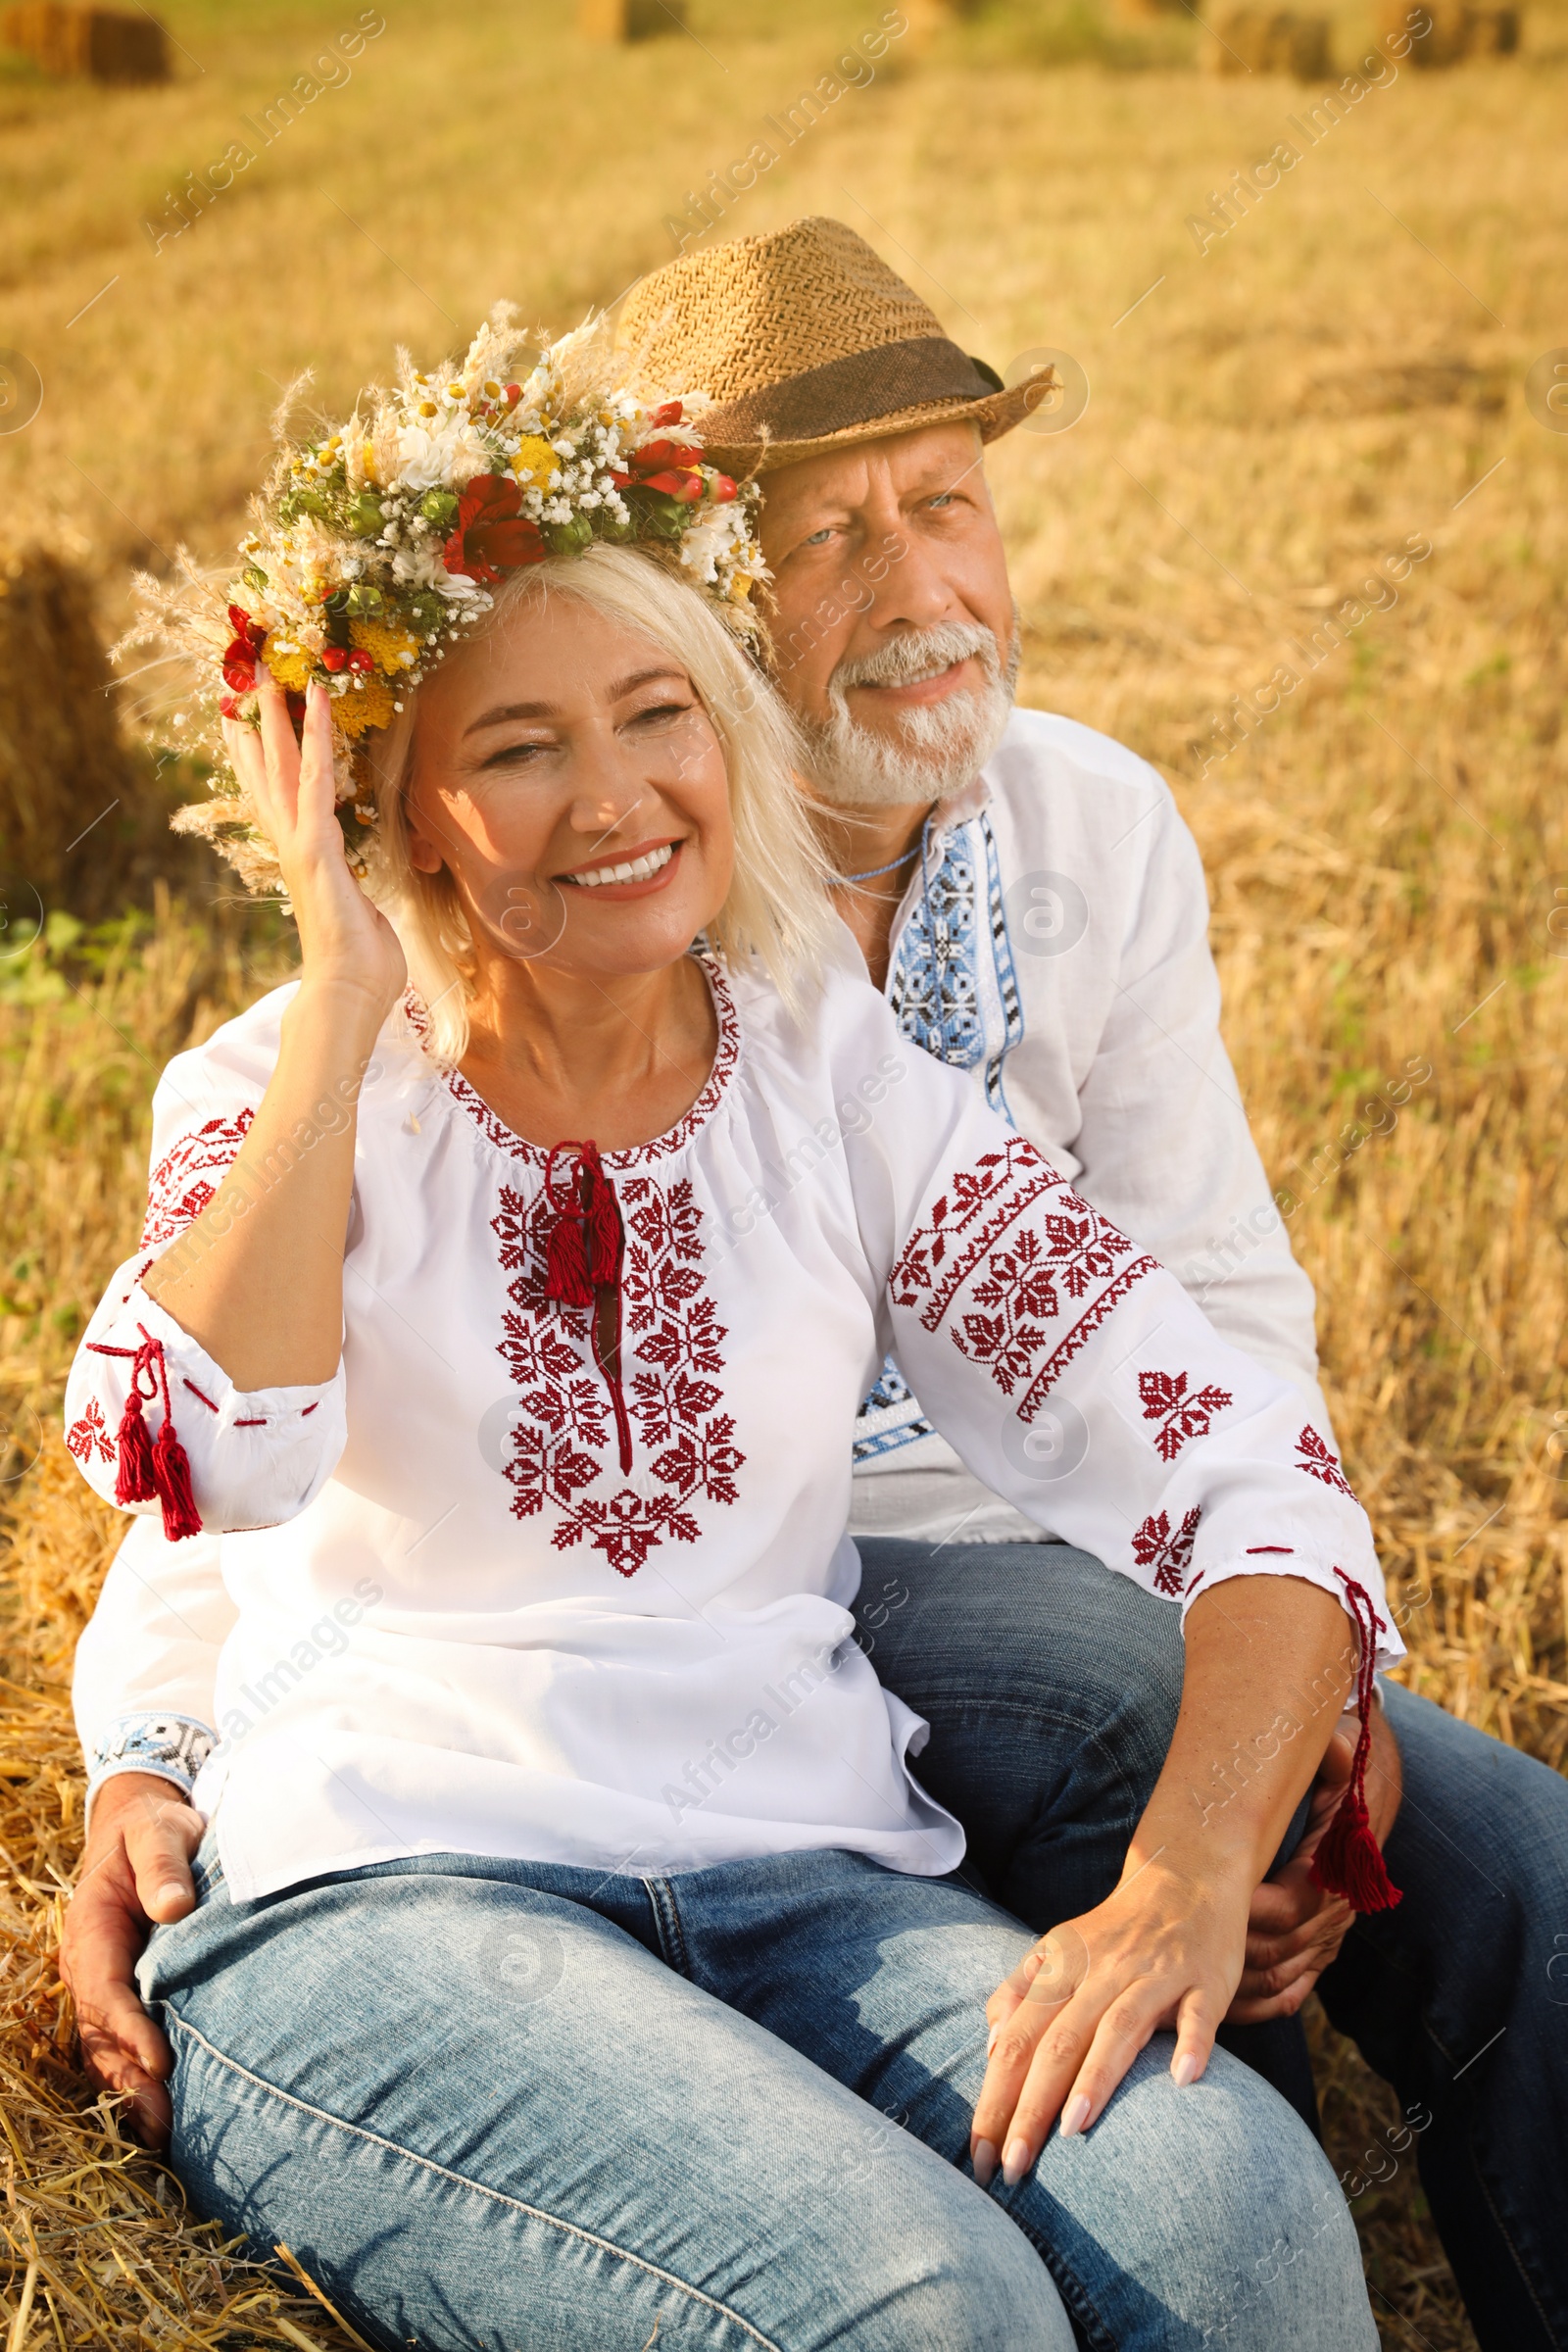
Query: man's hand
(135, 1871)
(1295, 1930)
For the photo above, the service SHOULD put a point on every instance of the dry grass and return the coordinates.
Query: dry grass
(1276, 415)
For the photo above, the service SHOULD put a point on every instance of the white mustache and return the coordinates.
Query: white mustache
(918, 653)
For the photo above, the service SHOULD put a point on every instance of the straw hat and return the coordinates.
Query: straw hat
(806, 341)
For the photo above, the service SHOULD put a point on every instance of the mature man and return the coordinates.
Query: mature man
(1027, 896)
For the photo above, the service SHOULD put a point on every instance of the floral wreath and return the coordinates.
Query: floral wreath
(375, 545)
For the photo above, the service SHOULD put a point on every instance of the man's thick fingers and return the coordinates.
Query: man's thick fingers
(113, 2020)
(1257, 2010)
(1267, 1983)
(1286, 1901)
(160, 1846)
(118, 2069)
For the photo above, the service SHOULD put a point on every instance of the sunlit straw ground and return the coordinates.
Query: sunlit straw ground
(1340, 375)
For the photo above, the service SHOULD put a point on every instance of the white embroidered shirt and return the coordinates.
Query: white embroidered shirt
(458, 1622)
(1054, 945)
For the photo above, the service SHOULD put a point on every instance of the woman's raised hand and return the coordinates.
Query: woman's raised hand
(344, 940)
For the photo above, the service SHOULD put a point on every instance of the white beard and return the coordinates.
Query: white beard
(927, 752)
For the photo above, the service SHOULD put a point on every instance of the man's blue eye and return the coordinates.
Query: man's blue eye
(817, 537)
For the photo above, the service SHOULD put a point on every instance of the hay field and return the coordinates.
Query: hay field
(1339, 376)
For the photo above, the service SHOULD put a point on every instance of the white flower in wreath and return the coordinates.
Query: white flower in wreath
(715, 538)
(445, 456)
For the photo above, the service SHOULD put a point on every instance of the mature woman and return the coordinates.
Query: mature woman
(576, 1957)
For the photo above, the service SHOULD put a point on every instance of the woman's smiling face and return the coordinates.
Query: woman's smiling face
(567, 775)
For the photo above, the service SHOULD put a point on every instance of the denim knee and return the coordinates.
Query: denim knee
(1286, 2252)
(966, 2280)
(1229, 2230)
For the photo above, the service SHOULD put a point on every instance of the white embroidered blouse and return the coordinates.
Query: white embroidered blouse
(465, 1616)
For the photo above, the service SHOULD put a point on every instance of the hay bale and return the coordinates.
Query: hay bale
(1451, 30)
(74, 803)
(1267, 40)
(630, 19)
(1494, 32)
(104, 44)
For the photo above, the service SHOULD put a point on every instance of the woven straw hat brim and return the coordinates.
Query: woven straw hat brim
(995, 415)
(806, 341)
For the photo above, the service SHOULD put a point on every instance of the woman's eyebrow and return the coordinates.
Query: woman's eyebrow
(643, 677)
(503, 712)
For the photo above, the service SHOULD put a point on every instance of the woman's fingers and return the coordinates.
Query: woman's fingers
(280, 763)
(1196, 2020)
(317, 797)
(1036, 2010)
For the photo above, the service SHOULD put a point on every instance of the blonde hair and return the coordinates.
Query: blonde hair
(777, 910)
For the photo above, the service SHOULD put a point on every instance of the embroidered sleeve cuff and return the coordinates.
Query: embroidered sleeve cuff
(173, 1747)
(156, 1424)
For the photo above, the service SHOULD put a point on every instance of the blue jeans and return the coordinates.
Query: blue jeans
(503, 2103)
(1051, 1686)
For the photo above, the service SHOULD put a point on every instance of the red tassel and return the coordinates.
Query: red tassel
(1347, 1861)
(604, 1226)
(582, 1261)
(133, 1479)
(566, 1263)
(149, 1472)
(172, 1472)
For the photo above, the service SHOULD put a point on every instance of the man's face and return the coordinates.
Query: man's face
(893, 622)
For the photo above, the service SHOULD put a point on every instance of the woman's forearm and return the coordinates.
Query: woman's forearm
(258, 1279)
(1269, 1662)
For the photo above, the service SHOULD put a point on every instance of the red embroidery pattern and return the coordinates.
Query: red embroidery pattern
(671, 1346)
(1182, 1415)
(1169, 1555)
(1022, 1282)
(1318, 1462)
(89, 1433)
(182, 1182)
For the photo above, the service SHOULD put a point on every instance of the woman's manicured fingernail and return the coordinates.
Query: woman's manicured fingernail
(1016, 2162)
(1184, 2070)
(1074, 2116)
(984, 2160)
(991, 2040)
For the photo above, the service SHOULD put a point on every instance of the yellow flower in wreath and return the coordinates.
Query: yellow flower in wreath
(535, 461)
(290, 664)
(393, 649)
(364, 707)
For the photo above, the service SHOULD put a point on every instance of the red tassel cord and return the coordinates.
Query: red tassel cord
(582, 1264)
(148, 1468)
(1348, 1861)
